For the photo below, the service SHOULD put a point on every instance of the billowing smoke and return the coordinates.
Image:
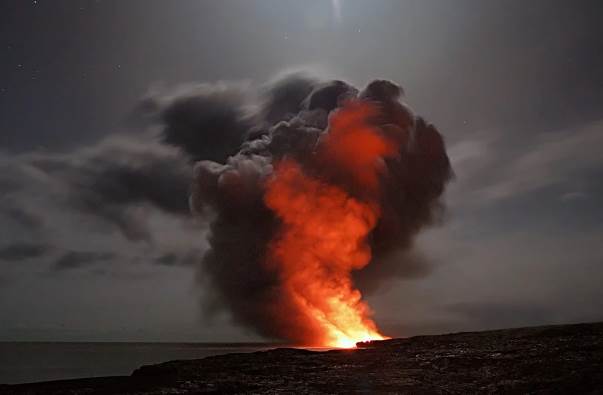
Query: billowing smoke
(394, 167)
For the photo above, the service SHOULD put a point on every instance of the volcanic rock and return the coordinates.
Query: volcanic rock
(549, 359)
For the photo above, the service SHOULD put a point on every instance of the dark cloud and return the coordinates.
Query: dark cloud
(283, 98)
(328, 96)
(23, 250)
(235, 269)
(78, 259)
(115, 177)
(156, 181)
(205, 121)
(109, 195)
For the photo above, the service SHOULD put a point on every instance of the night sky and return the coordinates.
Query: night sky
(516, 88)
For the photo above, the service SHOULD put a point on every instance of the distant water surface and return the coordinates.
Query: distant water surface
(22, 362)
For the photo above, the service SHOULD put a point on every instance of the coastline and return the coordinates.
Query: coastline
(546, 359)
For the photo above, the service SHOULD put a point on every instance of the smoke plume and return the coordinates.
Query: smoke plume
(313, 198)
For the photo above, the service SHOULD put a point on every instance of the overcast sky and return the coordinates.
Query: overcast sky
(515, 87)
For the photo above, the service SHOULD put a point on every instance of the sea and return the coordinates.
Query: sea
(27, 362)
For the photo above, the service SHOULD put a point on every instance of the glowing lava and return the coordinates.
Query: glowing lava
(324, 230)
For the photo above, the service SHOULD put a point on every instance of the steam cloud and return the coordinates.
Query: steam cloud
(235, 141)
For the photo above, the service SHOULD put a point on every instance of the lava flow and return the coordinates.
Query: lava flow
(324, 228)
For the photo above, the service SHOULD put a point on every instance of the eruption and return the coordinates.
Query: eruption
(320, 203)
(324, 231)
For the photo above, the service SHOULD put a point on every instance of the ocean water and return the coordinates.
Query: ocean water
(31, 362)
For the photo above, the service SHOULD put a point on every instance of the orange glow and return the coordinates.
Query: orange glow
(324, 232)
(355, 145)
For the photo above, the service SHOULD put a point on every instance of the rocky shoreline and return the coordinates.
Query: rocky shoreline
(548, 359)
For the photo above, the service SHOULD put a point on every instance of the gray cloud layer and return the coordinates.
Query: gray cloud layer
(108, 202)
(78, 259)
(490, 170)
(124, 200)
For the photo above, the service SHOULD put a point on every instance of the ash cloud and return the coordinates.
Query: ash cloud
(206, 121)
(109, 181)
(283, 98)
(293, 115)
(125, 195)
(216, 148)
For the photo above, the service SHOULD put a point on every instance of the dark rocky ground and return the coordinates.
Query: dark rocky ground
(550, 359)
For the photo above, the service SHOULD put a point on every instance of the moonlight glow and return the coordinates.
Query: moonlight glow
(337, 10)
